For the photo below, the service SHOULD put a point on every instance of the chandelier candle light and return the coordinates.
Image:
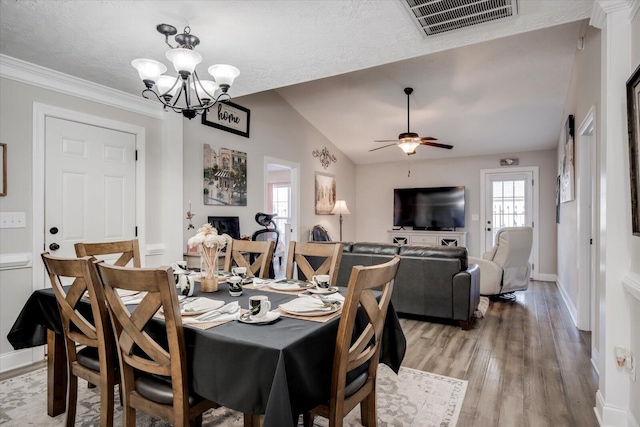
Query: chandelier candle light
(198, 95)
(340, 208)
(209, 244)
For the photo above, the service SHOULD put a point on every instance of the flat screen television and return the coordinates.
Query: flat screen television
(226, 224)
(436, 208)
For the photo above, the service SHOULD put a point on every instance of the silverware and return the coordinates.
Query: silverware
(229, 308)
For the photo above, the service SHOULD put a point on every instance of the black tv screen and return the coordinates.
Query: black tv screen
(437, 208)
(226, 224)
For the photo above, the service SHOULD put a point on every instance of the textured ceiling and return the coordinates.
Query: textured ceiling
(276, 44)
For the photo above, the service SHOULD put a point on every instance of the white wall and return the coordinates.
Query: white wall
(584, 92)
(375, 184)
(277, 131)
(16, 124)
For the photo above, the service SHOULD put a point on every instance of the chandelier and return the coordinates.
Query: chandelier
(186, 93)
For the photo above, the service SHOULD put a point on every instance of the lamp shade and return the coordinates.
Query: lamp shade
(166, 86)
(408, 146)
(340, 208)
(184, 60)
(148, 69)
(206, 89)
(223, 74)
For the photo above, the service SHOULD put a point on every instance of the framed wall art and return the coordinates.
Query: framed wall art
(3, 172)
(633, 118)
(228, 117)
(225, 177)
(568, 171)
(325, 193)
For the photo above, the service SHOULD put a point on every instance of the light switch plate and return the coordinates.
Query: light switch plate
(13, 220)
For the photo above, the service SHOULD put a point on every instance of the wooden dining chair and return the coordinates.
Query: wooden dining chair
(96, 362)
(355, 361)
(240, 252)
(128, 249)
(328, 256)
(154, 375)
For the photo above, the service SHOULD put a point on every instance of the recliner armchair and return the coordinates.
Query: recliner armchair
(506, 268)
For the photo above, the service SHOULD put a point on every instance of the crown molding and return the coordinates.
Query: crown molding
(602, 7)
(26, 72)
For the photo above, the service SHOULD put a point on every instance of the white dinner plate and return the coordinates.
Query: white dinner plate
(199, 305)
(269, 317)
(292, 285)
(309, 307)
(327, 291)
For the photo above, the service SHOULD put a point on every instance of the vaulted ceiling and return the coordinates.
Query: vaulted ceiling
(493, 88)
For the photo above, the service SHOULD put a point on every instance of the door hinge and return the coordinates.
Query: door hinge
(533, 224)
(136, 231)
(532, 182)
(136, 155)
(591, 241)
(533, 267)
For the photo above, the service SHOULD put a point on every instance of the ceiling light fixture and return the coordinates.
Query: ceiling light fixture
(198, 95)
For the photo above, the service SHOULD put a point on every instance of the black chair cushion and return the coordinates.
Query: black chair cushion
(159, 390)
(356, 384)
(88, 357)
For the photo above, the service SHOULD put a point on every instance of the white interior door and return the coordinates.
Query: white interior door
(90, 176)
(508, 203)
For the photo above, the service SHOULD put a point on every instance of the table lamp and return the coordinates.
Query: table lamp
(340, 208)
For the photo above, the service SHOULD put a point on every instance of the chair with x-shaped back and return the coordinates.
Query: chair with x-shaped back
(154, 375)
(96, 362)
(128, 249)
(330, 255)
(240, 252)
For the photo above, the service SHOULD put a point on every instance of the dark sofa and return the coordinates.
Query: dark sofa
(434, 281)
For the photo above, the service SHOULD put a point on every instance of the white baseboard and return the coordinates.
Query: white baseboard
(20, 358)
(573, 311)
(545, 277)
(612, 416)
(595, 360)
(154, 249)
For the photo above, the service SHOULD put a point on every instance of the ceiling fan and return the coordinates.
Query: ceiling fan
(409, 141)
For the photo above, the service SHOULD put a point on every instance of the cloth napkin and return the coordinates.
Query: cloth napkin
(304, 305)
(259, 283)
(331, 297)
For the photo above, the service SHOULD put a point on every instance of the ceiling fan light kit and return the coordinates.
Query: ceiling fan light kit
(409, 141)
(197, 95)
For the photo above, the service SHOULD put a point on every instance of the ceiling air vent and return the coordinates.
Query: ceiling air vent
(441, 16)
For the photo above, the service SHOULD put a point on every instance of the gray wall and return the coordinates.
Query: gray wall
(375, 184)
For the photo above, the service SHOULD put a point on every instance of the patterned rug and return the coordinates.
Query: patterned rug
(483, 306)
(411, 398)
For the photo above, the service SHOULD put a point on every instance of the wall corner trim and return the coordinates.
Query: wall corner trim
(26, 72)
(631, 284)
(602, 7)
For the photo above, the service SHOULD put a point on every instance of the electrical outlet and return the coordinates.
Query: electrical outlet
(13, 220)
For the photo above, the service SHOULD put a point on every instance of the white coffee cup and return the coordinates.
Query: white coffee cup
(321, 281)
(239, 271)
(186, 285)
(259, 306)
(179, 267)
(235, 286)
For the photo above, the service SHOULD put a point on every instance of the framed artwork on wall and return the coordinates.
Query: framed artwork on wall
(225, 177)
(3, 172)
(568, 171)
(325, 193)
(633, 119)
(228, 117)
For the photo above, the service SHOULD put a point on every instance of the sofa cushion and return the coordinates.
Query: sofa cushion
(433, 251)
(375, 248)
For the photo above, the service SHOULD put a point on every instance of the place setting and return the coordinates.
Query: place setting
(259, 312)
(203, 315)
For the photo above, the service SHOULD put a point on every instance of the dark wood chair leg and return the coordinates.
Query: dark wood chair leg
(465, 325)
(252, 420)
(56, 374)
(307, 419)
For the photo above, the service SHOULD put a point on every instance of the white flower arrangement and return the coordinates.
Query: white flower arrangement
(209, 244)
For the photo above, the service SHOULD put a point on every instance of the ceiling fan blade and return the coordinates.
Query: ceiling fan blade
(436, 144)
(386, 140)
(384, 146)
(428, 138)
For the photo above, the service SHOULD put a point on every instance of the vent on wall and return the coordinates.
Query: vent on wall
(441, 16)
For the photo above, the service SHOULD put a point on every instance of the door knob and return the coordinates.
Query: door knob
(54, 246)
(53, 230)
(489, 229)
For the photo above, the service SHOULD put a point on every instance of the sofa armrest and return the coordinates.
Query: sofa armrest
(490, 276)
(466, 292)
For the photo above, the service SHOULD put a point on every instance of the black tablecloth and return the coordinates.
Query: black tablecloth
(279, 370)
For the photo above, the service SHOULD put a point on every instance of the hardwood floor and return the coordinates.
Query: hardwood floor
(527, 365)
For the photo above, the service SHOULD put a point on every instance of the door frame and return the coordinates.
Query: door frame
(535, 202)
(40, 113)
(295, 191)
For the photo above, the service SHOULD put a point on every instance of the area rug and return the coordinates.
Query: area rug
(483, 306)
(410, 399)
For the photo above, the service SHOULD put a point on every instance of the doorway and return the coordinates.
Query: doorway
(509, 199)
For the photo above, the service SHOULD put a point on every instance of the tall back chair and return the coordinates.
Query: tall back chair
(259, 254)
(301, 253)
(154, 378)
(97, 361)
(128, 249)
(357, 356)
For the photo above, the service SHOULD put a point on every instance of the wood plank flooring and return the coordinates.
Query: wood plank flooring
(526, 363)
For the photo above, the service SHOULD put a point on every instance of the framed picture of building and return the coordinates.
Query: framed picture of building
(325, 193)
(633, 120)
(225, 177)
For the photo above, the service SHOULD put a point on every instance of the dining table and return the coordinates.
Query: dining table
(270, 372)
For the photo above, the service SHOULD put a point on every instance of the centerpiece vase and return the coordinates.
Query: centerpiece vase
(209, 278)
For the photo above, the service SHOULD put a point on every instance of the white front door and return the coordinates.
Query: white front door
(90, 185)
(508, 203)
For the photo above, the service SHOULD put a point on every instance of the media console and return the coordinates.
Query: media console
(418, 237)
